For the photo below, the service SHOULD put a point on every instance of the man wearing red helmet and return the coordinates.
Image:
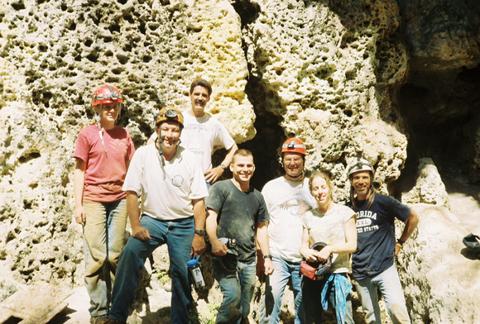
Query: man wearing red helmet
(102, 154)
(287, 198)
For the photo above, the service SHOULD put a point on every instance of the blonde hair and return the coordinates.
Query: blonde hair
(242, 152)
(325, 176)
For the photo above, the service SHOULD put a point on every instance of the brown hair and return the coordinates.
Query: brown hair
(242, 152)
(325, 176)
(202, 83)
(371, 195)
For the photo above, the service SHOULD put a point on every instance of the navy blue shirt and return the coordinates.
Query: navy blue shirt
(376, 235)
(239, 213)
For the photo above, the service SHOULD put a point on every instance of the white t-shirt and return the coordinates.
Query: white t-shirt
(203, 136)
(286, 202)
(329, 228)
(167, 191)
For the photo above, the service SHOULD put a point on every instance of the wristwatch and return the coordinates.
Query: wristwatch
(200, 232)
(400, 242)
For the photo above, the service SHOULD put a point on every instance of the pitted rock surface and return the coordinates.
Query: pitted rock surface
(332, 72)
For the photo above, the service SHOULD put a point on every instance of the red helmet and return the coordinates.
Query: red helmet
(106, 95)
(294, 145)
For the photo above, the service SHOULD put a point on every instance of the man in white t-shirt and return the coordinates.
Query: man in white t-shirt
(287, 198)
(172, 187)
(203, 134)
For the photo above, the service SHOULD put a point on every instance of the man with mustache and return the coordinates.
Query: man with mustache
(203, 134)
(172, 189)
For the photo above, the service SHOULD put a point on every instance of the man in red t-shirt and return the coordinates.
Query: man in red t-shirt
(102, 154)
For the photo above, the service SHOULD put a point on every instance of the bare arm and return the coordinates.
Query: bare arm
(229, 156)
(133, 210)
(305, 250)
(198, 243)
(218, 248)
(262, 239)
(410, 226)
(78, 183)
(349, 246)
(212, 175)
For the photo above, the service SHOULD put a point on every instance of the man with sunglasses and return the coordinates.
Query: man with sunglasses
(373, 264)
(172, 188)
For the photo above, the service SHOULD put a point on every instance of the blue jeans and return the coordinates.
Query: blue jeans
(276, 283)
(312, 301)
(178, 235)
(388, 283)
(237, 287)
(104, 234)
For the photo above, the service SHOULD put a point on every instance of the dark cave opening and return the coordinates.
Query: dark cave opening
(440, 109)
(268, 139)
(270, 135)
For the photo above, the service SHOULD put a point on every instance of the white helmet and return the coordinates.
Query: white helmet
(360, 165)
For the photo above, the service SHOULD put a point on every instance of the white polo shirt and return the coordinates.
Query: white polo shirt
(166, 187)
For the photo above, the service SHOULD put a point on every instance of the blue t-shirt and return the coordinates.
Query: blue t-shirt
(239, 213)
(376, 235)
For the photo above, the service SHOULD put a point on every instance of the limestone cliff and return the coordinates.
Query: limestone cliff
(376, 78)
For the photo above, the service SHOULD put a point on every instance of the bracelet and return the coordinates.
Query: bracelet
(267, 256)
(400, 242)
(200, 232)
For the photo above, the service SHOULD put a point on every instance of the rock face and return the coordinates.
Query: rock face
(326, 76)
(52, 55)
(349, 77)
(429, 188)
(442, 34)
(439, 97)
(440, 284)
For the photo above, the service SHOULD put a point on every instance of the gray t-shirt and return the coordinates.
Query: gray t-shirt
(239, 213)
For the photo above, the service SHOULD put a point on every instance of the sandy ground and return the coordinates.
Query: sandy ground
(158, 308)
(464, 200)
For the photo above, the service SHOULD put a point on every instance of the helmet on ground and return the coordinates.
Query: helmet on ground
(106, 95)
(360, 165)
(294, 145)
(169, 114)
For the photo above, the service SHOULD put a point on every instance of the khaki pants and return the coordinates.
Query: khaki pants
(104, 234)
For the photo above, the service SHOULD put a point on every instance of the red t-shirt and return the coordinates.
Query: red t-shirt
(106, 161)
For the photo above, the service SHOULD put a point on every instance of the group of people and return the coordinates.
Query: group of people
(172, 195)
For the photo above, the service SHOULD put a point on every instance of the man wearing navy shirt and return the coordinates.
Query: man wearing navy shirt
(373, 264)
